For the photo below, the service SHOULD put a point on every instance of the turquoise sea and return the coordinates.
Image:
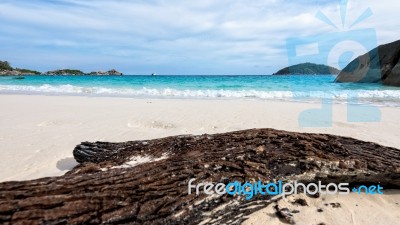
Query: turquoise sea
(288, 88)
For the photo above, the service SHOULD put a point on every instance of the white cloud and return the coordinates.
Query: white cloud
(174, 36)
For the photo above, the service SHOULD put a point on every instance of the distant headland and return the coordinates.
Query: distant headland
(308, 69)
(7, 70)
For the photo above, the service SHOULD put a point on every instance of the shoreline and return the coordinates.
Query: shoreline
(313, 101)
(297, 88)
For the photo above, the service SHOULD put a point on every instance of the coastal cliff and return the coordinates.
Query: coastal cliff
(381, 64)
(308, 69)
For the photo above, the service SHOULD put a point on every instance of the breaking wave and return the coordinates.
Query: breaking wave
(376, 96)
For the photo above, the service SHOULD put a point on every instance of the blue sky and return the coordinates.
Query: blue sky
(172, 36)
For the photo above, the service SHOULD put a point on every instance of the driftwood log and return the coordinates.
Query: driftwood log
(114, 185)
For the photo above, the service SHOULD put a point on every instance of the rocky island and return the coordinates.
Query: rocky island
(112, 72)
(7, 70)
(308, 69)
(65, 72)
(380, 65)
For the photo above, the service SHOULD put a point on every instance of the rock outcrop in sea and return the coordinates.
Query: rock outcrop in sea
(146, 182)
(65, 72)
(112, 72)
(80, 73)
(381, 64)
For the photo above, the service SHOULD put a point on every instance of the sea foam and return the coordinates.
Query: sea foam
(391, 97)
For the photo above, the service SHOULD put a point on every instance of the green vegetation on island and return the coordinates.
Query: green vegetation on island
(80, 73)
(7, 70)
(65, 72)
(4, 65)
(26, 71)
(308, 69)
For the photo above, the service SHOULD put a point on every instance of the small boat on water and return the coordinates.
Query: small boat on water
(153, 74)
(18, 78)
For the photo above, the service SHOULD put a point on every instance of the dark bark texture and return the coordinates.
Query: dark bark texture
(105, 189)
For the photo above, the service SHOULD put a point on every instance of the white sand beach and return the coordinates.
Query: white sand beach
(335, 210)
(38, 133)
